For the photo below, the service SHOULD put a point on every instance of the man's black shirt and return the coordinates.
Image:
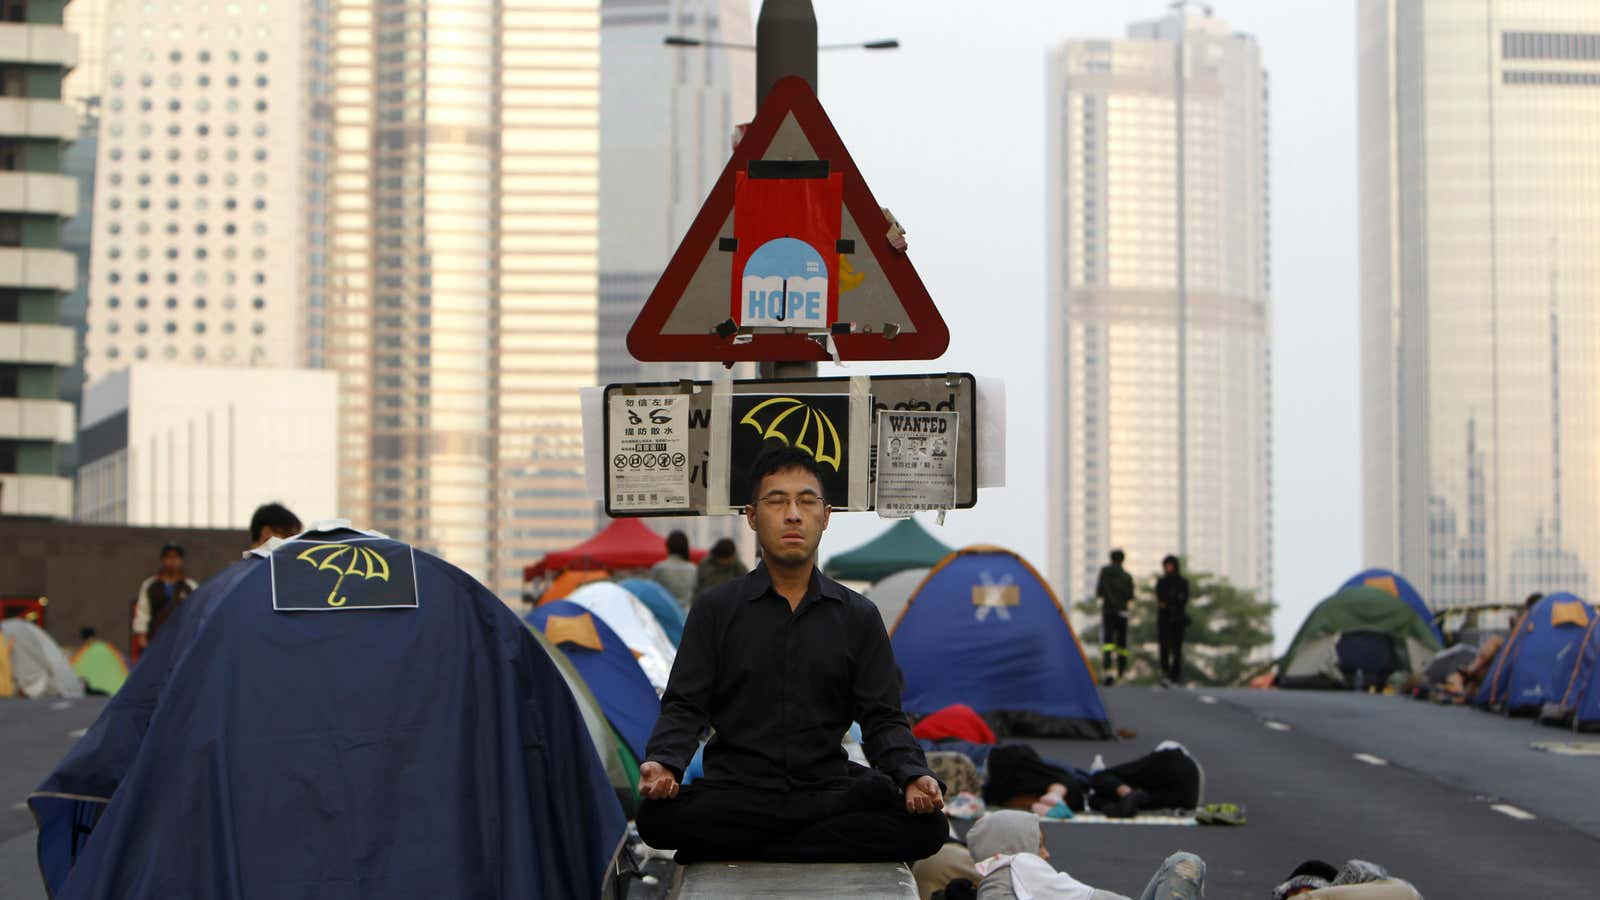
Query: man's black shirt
(780, 688)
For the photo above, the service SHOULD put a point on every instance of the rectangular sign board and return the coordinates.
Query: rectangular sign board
(720, 427)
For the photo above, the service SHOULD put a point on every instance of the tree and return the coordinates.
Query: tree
(1227, 628)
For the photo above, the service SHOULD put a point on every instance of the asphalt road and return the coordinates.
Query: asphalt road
(34, 734)
(1422, 800)
(1307, 795)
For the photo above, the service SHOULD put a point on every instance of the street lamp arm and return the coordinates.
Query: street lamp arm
(886, 44)
(679, 40)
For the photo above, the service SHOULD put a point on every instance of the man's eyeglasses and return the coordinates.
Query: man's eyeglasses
(808, 503)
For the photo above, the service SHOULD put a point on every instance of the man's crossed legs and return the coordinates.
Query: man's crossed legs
(860, 820)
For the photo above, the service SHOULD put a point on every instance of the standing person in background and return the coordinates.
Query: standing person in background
(273, 520)
(721, 565)
(1115, 591)
(676, 573)
(1172, 617)
(159, 595)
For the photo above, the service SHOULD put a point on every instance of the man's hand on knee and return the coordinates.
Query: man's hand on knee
(922, 795)
(656, 783)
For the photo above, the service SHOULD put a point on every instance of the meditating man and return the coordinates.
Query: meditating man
(778, 663)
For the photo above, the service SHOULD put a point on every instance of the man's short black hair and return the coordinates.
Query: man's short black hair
(724, 549)
(678, 544)
(171, 547)
(275, 516)
(782, 459)
(1117, 557)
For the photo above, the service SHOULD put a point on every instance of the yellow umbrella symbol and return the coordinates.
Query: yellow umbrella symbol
(813, 432)
(346, 559)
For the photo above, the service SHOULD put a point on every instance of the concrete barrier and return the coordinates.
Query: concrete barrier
(867, 881)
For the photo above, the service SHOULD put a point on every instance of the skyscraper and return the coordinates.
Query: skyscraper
(1159, 303)
(1480, 210)
(207, 184)
(35, 198)
(463, 272)
(81, 89)
(667, 116)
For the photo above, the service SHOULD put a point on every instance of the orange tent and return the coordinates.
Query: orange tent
(569, 581)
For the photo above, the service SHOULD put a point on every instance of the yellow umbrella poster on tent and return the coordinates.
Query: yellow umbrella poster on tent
(315, 576)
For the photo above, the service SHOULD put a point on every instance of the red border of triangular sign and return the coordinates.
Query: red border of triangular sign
(928, 341)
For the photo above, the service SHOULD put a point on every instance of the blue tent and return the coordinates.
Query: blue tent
(1583, 687)
(612, 673)
(985, 630)
(340, 717)
(1528, 668)
(661, 604)
(1394, 583)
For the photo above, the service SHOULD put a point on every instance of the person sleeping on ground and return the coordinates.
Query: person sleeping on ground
(1357, 879)
(1167, 778)
(1009, 852)
(778, 663)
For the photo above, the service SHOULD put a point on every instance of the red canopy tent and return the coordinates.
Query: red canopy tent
(624, 544)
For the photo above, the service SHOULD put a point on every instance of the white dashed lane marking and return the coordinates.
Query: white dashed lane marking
(1276, 726)
(1506, 809)
(77, 733)
(1371, 760)
(1207, 698)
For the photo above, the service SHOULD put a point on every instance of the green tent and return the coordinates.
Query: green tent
(1357, 628)
(100, 666)
(904, 545)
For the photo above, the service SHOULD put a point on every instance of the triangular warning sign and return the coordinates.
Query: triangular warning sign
(790, 249)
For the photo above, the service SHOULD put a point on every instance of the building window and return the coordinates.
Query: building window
(1549, 45)
(12, 82)
(1552, 78)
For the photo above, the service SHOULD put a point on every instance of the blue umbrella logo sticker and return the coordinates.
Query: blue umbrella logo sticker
(785, 283)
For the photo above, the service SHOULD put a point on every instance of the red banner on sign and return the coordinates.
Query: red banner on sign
(786, 262)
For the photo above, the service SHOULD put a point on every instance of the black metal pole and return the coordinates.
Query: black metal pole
(786, 44)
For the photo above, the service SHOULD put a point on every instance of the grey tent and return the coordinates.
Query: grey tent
(38, 666)
(890, 594)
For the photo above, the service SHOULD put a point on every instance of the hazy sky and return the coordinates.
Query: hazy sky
(949, 133)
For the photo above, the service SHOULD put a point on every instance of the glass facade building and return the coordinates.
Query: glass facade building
(1480, 207)
(1158, 366)
(667, 116)
(462, 272)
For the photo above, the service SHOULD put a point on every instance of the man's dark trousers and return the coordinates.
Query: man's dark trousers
(1169, 632)
(1114, 640)
(863, 819)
